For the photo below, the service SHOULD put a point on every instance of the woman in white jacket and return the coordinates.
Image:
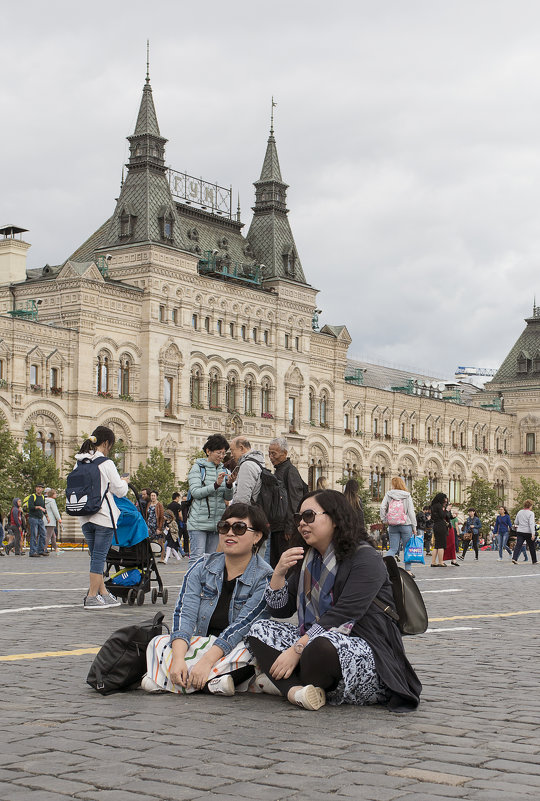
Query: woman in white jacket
(524, 523)
(397, 511)
(98, 528)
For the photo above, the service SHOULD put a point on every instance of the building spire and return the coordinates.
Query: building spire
(147, 123)
(148, 61)
(238, 209)
(272, 117)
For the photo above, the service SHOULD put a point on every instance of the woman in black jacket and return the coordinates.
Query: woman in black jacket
(440, 528)
(346, 649)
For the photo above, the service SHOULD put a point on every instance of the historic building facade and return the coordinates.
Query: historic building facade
(169, 323)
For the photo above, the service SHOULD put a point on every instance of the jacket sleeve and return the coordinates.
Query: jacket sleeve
(410, 511)
(295, 488)
(253, 609)
(187, 606)
(287, 597)
(365, 580)
(248, 475)
(117, 485)
(196, 487)
(160, 515)
(497, 523)
(384, 508)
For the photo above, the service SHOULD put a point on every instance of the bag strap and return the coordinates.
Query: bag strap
(387, 609)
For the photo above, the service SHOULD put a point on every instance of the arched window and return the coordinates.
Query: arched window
(213, 391)
(265, 397)
(34, 375)
(50, 446)
(102, 373)
(195, 389)
(231, 394)
(454, 488)
(168, 388)
(315, 471)
(120, 455)
(53, 378)
(40, 440)
(377, 483)
(123, 376)
(323, 409)
(248, 396)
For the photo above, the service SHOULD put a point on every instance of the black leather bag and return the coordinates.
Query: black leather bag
(410, 613)
(121, 660)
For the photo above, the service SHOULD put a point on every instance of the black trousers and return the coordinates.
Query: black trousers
(522, 537)
(319, 665)
(474, 542)
(278, 544)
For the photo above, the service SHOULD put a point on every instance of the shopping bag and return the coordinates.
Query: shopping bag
(414, 550)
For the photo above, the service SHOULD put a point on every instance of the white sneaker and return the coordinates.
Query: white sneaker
(263, 684)
(149, 685)
(499, 559)
(221, 685)
(94, 602)
(110, 600)
(309, 697)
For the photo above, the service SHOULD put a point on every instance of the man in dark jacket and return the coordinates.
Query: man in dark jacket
(296, 488)
(36, 512)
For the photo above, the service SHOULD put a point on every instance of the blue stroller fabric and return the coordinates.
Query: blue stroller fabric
(131, 527)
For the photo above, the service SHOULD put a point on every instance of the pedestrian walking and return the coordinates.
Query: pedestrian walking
(471, 533)
(36, 513)
(53, 521)
(502, 529)
(397, 511)
(15, 528)
(98, 528)
(450, 549)
(525, 531)
(172, 541)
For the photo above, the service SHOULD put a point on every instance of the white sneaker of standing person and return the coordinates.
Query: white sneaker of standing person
(92, 602)
(110, 600)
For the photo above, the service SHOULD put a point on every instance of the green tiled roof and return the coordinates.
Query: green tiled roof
(528, 343)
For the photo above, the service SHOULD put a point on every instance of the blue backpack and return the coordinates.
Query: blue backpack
(83, 488)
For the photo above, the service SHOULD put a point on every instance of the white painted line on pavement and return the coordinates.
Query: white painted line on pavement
(84, 589)
(454, 628)
(34, 608)
(480, 578)
(427, 592)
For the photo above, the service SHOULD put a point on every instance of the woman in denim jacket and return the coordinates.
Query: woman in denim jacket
(222, 595)
(472, 527)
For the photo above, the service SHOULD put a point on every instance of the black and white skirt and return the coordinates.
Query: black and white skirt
(360, 684)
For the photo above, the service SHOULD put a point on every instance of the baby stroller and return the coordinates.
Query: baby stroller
(132, 559)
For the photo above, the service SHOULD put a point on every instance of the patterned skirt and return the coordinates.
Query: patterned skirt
(360, 684)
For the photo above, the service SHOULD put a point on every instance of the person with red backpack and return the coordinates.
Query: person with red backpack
(397, 511)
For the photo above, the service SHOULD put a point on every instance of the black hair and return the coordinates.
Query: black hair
(154, 490)
(505, 509)
(215, 442)
(440, 497)
(471, 510)
(348, 532)
(98, 436)
(175, 495)
(254, 514)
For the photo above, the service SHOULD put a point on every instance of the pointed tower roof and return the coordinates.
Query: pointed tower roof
(521, 367)
(270, 232)
(145, 210)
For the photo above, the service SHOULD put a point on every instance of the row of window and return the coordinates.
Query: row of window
(253, 335)
(36, 375)
(104, 378)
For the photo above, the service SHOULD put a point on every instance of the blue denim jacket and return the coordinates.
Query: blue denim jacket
(199, 594)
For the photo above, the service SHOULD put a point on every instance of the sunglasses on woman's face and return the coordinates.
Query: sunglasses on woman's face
(308, 516)
(239, 528)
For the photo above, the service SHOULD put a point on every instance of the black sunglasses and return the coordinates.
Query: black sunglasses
(308, 516)
(239, 527)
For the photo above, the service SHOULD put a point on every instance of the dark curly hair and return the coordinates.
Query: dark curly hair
(254, 514)
(348, 534)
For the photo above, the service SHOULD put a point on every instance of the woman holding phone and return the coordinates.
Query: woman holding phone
(210, 485)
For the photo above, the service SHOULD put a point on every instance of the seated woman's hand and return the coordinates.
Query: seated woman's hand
(288, 559)
(285, 664)
(179, 671)
(199, 674)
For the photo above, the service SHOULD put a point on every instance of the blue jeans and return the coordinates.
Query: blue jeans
(99, 539)
(396, 534)
(37, 535)
(503, 539)
(201, 542)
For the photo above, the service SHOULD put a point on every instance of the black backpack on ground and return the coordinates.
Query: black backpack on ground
(272, 498)
(121, 660)
(411, 611)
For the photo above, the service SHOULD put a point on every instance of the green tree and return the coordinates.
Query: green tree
(31, 465)
(9, 485)
(156, 473)
(420, 493)
(482, 496)
(529, 489)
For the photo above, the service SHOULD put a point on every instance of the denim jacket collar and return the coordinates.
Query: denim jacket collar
(216, 565)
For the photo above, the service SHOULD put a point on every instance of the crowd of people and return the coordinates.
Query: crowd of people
(32, 525)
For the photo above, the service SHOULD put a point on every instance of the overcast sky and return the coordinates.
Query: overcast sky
(408, 131)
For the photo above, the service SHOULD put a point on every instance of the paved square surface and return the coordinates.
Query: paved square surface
(475, 736)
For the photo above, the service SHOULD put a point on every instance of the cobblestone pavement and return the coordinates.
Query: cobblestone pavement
(475, 735)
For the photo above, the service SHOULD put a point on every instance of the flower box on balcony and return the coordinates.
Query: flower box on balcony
(347, 432)
(312, 423)
(325, 425)
(169, 414)
(3, 383)
(292, 430)
(104, 394)
(36, 387)
(439, 444)
(56, 390)
(414, 441)
(267, 415)
(388, 437)
(499, 450)
(197, 406)
(249, 414)
(528, 453)
(215, 408)
(358, 433)
(377, 436)
(125, 397)
(430, 442)
(405, 440)
(485, 450)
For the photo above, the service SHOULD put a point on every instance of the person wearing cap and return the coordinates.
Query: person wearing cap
(36, 511)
